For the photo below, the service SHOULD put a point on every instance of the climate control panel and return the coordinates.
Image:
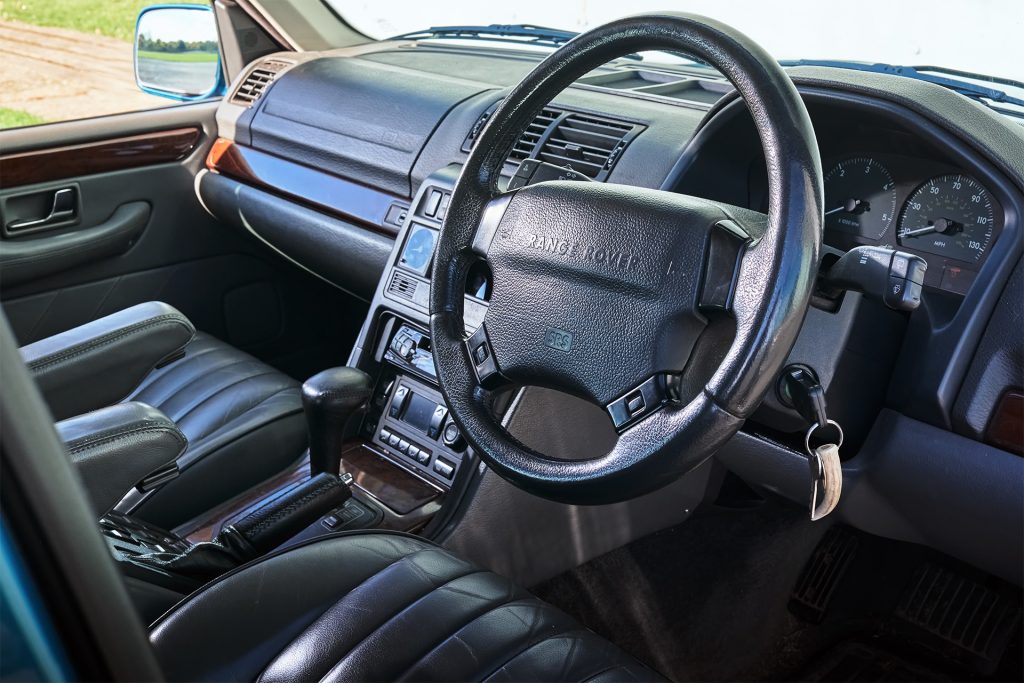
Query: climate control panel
(416, 430)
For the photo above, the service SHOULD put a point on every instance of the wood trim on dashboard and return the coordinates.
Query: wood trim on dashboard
(103, 156)
(367, 206)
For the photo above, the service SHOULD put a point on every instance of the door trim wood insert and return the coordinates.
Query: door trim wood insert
(102, 156)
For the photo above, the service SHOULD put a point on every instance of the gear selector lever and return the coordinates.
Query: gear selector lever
(331, 399)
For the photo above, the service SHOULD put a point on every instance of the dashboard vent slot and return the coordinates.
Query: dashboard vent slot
(257, 81)
(587, 144)
(403, 286)
(527, 142)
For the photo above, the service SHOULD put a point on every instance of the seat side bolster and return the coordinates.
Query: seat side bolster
(114, 448)
(99, 363)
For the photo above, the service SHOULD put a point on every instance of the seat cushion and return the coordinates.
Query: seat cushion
(377, 607)
(243, 420)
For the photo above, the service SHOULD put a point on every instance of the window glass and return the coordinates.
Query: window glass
(982, 36)
(69, 59)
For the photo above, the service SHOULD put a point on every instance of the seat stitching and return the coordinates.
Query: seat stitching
(602, 672)
(529, 647)
(216, 392)
(255, 427)
(92, 443)
(397, 614)
(177, 369)
(56, 358)
(455, 632)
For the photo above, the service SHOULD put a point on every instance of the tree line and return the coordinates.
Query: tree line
(158, 45)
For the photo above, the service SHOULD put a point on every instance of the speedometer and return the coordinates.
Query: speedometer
(950, 215)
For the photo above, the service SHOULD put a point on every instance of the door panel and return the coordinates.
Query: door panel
(139, 233)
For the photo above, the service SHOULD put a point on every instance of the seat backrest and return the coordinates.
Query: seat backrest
(45, 509)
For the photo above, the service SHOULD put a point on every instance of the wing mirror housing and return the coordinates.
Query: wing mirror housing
(177, 53)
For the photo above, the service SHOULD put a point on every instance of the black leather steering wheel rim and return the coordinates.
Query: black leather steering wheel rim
(773, 281)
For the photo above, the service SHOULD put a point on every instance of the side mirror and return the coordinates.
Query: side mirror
(177, 54)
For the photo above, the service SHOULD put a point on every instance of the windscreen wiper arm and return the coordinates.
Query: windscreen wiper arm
(535, 35)
(931, 74)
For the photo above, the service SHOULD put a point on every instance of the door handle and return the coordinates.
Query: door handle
(62, 209)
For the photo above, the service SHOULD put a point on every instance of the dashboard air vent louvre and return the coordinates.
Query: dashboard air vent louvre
(403, 286)
(527, 142)
(586, 144)
(257, 81)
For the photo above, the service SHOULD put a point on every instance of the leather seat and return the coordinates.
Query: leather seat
(242, 418)
(377, 607)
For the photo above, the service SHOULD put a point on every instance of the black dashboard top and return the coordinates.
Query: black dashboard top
(936, 174)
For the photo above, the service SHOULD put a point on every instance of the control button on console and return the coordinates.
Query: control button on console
(434, 429)
(414, 452)
(432, 203)
(331, 521)
(452, 437)
(403, 446)
(393, 440)
(401, 393)
(442, 211)
(444, 468)
(384, 435)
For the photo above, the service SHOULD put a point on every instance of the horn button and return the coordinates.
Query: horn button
(596, 286)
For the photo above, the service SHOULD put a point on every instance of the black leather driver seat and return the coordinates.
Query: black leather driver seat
(377, 607)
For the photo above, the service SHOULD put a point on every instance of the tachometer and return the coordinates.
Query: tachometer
(860, 198)
(950, 215)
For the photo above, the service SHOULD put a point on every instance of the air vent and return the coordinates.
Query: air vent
(257, 81)
(526, 145)
(587, 144)
(403, 286)
(527, 142)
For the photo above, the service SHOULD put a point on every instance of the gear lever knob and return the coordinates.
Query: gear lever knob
(330, 399)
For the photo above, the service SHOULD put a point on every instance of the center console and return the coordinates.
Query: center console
(381, 422)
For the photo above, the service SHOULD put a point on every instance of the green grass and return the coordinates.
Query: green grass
(114, 18)
(178, 56)
(13, 118)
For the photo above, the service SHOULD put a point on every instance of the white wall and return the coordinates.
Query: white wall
(975, 35)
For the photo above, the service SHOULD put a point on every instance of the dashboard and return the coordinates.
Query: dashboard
(345, 163)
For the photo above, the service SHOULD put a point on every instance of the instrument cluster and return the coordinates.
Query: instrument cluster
(939, 212)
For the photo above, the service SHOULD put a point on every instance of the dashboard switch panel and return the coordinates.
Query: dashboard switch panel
(416, 431)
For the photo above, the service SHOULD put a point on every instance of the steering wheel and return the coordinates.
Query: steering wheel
(604, 291)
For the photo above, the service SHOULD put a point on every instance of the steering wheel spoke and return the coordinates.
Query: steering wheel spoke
(481, 357)
(490, 218)
(643, 401)
(727, 246)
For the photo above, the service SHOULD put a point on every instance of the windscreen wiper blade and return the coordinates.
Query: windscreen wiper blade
(931, 74)
(528, 33)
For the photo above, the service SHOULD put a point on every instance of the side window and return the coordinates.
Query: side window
(76, 59)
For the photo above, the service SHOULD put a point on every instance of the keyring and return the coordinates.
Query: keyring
(818, 425)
